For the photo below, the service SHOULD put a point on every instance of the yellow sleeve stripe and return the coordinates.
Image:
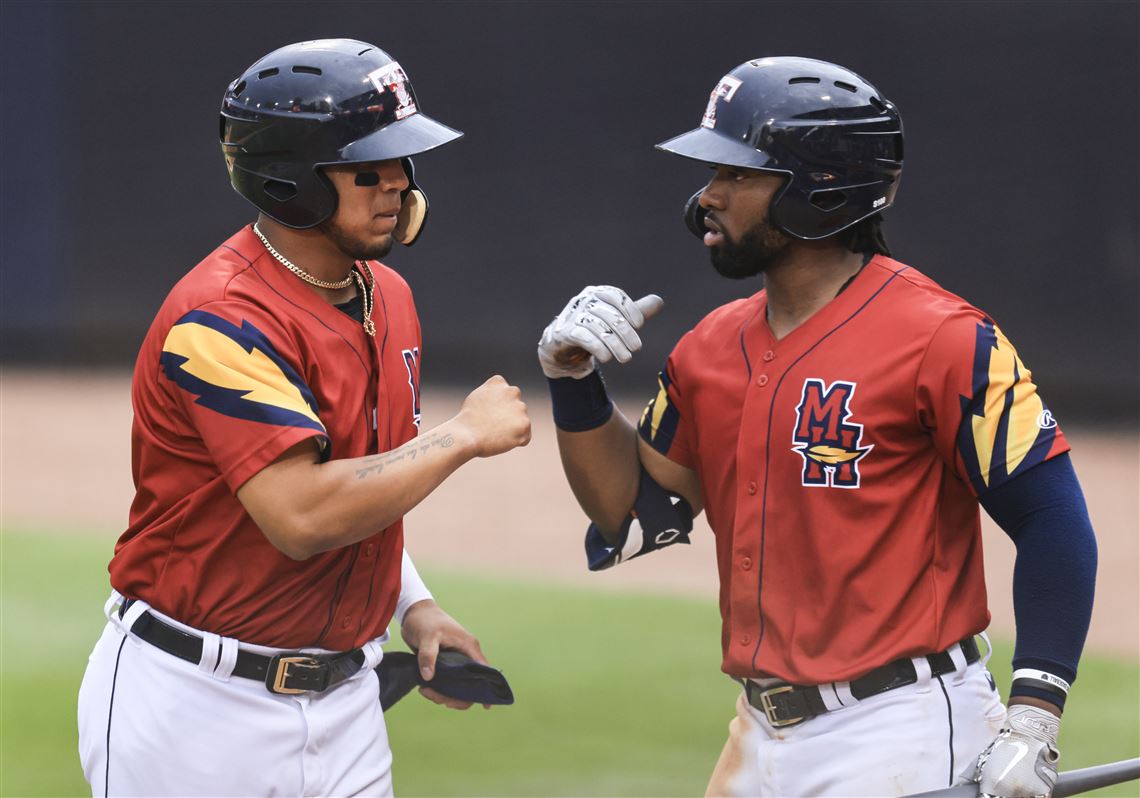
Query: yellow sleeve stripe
(660, 404)
(1010, 395)
(235, 371)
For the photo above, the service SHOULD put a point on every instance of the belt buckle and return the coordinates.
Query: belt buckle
(278, 672)
(770, 708)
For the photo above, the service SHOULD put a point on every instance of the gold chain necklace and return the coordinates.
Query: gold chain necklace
(364, 288)
(297, 270)
(366, 295)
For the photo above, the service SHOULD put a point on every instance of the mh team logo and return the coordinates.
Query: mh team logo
(827, 441)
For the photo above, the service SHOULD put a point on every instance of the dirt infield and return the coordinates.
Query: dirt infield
(65, 463)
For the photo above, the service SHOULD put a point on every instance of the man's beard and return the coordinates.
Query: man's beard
(760, 248)
(352, 246)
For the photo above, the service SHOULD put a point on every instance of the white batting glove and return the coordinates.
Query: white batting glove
(1021, 762)
(598, 325)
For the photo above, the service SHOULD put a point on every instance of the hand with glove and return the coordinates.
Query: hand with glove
(597, 325)
(1021, 762)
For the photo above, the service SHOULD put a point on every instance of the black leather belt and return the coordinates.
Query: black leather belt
(287, 673)
(789, 704)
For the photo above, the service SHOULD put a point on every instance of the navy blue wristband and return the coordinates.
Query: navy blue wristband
(580, 405)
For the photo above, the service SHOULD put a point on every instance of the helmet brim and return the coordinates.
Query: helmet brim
(708, 146)
(409, 136)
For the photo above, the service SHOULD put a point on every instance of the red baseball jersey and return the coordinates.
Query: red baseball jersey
(242, 362)
(841, 467)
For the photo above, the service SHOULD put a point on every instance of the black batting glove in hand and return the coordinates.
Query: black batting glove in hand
(598, 325)
(1022, 761)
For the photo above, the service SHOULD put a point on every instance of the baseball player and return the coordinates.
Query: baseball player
(839, 428)
(276, 448)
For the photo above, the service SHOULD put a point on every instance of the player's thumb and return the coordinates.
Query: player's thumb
(649, 305)
(426, 657)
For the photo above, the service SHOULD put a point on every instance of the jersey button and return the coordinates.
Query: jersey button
(369, 549)
(751, 488)
(347, 620)
(746, 563)
(769, 356)
(763, 380)
(745, 639)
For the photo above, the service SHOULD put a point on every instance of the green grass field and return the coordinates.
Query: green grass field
(616, 694)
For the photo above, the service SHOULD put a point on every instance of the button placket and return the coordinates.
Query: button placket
(752, 444)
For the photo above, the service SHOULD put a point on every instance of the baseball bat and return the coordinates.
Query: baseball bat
(1070, 782)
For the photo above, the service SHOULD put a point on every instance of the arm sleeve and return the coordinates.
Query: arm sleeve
(1043, 511)
(237, 378)
(980, 404)
(412, 588)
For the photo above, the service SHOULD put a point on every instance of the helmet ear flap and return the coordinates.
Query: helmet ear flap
(694, 215)
(413, 214)
(413, 208)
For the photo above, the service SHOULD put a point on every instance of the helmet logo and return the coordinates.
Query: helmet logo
(391, 77)
(725, 89)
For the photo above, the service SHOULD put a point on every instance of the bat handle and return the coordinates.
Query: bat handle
(1077, 781)
(1071, 782)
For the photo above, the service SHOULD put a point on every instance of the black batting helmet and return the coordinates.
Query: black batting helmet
(317, 103)
(835, 138)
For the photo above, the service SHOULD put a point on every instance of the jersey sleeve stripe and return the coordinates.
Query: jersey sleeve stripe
(237, 372)
(1000, 434)
(659, 421)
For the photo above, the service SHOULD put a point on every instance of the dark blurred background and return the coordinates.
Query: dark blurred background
(1020, 189)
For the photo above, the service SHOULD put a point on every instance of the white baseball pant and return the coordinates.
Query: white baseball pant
(920, 737)
(151, 724)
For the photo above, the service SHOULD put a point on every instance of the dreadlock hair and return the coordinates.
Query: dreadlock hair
(866, 237)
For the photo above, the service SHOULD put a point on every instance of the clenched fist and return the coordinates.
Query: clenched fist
(495, 417)
(597, 325)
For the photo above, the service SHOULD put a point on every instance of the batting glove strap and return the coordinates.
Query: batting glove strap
(660, 518)
(1022, 761)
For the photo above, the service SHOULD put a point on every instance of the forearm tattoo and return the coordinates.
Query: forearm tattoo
(374, 464)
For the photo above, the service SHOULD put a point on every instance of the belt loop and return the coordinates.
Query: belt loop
(989, 648)
(133, 613)
(832, 694)
(211, 648)
(227, 658)
(922, 672)
(958, 657)
(373, 653)
(111, 603)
